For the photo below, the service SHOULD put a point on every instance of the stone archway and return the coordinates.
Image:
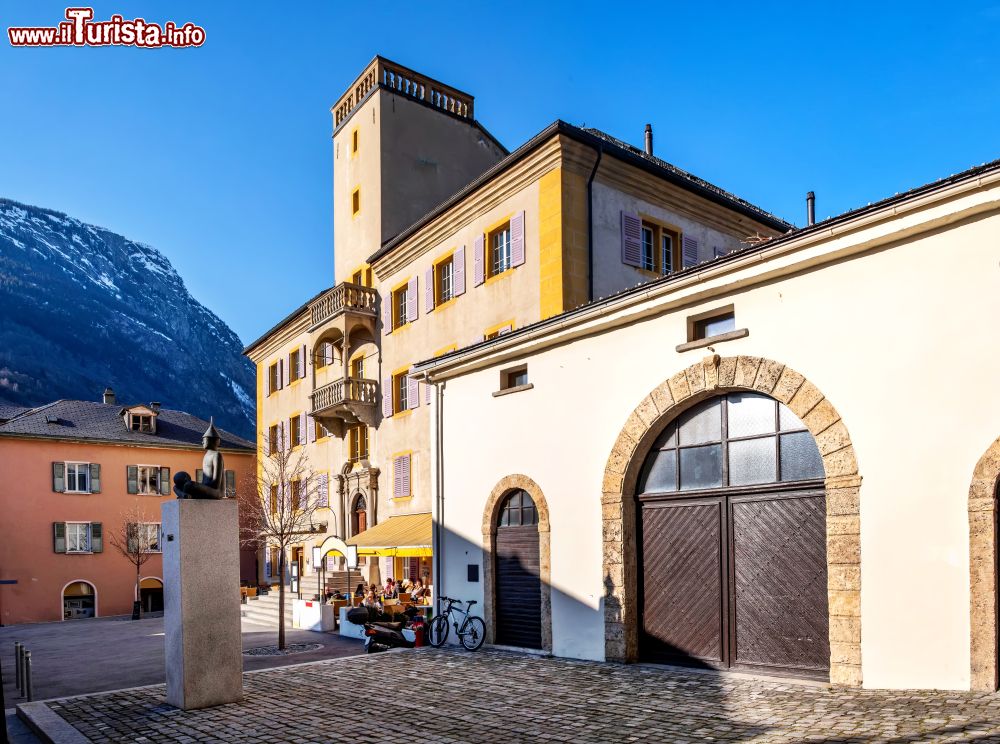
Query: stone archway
(983, 570)
(712, 376)
(490, 514)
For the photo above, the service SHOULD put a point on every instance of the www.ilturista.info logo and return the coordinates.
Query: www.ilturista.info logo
(80, 30)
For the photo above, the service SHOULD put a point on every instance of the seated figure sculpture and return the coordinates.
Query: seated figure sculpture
(212, 484)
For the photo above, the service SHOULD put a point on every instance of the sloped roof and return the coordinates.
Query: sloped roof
(405, 534)
(100, 422)
(9, 411)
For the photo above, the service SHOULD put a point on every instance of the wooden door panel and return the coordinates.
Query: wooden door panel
(518, 588)
(682, 610)
(779, 583)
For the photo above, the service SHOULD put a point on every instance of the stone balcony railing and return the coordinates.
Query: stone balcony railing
(382, 72)
(345, 297)
(343, 393)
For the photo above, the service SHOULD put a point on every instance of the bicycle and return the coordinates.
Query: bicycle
(472, 632)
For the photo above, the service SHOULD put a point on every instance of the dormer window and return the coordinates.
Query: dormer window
(142, 422)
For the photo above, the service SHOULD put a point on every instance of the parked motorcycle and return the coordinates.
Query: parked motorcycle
(380, 635)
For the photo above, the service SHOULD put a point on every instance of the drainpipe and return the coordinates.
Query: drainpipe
(438, 521)
(590, 223)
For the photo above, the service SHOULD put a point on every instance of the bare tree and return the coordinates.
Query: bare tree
(281, 510)
(137, 538)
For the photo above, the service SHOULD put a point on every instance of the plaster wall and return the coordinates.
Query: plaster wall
(899, 339)
(30, 506)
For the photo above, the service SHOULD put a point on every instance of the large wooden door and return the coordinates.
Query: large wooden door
(517, 579)
(732, 541)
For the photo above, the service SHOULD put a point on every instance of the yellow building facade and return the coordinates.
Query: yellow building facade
(444, 240)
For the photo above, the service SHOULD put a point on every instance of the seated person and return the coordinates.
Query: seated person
(360, 591)
(371, 601)
(389, 590)
(419, 591)
(405, 585)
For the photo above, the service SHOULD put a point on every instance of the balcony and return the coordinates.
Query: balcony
(350, 399)
(345, 298)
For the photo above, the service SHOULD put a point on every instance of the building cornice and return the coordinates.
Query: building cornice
(249, 452)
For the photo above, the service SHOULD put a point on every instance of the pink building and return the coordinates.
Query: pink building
(70, 472)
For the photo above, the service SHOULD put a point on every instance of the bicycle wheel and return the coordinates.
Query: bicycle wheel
(474, 633)
(437, 633)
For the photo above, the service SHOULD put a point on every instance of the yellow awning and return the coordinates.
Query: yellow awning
(405, 536)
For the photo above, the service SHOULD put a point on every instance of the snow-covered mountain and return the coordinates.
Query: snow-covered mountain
(82, 308)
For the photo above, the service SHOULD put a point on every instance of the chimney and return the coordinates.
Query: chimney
(649, 139)
(155, 406)
(811, 208)
(109, 397)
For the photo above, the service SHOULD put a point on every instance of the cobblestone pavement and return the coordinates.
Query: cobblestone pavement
(493, 696)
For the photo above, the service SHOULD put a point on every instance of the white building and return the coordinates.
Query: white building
(861, 549)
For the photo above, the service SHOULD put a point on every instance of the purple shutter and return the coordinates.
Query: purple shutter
(397, 477)
(281, 373)
(506, 329)
(288, 446)
(689, 251)
(387, 313)
(387, 396)
(267, 381)
(517, 239)
(631, 239)
(478, 252)
(311, 428)
(289, 371)
(411, 300)
(429, 290)
(302, 361)
(458, 273)
(302, 428)
(281, 436)
(323, 490)
(427, 393)
(405, 484)
(412, 392)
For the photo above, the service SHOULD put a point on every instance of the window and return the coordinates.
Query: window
(354, 143)
(658, 246)
(142, 423)
(401, 476)
(356, 201)
(149, 479)
(400, 298)
(230, 483)
(357, 438)
(712, 323)
(295, 425)
(498, 250)
(400, 397)
(322, 357)
(295, 364)
(272, 439)
(78, 537)
(296, 495)
(444, 274)
(740, 439)
(321, 430)
(515, 377)
(144, 537)
(358, 368)
(78, 477)
(498, 331)
(274, 500)
(272, 377)
(518, 510)
(274, 562)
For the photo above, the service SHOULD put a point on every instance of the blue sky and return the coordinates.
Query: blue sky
(220, 156)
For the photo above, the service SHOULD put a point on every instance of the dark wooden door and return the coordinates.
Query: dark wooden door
(736, 580)
(518, 587)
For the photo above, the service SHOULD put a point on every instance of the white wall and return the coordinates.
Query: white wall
(901, 340)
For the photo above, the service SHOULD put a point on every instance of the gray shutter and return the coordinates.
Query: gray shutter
(132, 478)
(302, 429)
(689, 251)
(281, 373)
(397, 477)
(387, 396)
(412, 291)
(458, 272)
(412, 392)
(405, 485)
(478, 256)
(427, 393)
(59, 537)
(59, 477)
(310, 428)
(517, 239)
(429, 290)
(231, 484)
(387, 313)
(131, 537)
(631, 239)
(323, 493)
(96, 538)
(302, 361)
(95, 478)
(165, 481)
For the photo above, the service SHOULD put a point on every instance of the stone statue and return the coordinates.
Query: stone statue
(213, 476)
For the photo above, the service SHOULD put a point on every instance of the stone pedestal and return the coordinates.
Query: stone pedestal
(201, 586)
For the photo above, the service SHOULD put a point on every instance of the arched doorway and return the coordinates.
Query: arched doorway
(983, 571)
(79, 600)
(359, 514)
(517, 582)
(151, 594)
(732, 541)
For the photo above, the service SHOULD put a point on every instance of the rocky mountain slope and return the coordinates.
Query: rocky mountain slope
(82, 308)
